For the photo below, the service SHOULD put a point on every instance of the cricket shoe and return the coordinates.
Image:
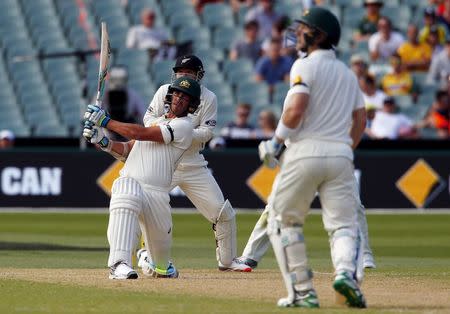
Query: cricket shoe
(121, 271)
(305, 299)
(368, 261)
(346, 286)
(235, 266)
(247, 261)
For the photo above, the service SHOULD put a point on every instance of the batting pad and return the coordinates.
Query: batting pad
(225, 233)
(122, 233)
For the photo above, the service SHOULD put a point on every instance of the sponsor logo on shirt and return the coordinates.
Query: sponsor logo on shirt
(211, 122)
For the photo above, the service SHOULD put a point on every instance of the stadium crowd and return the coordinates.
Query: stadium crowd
(402, 64)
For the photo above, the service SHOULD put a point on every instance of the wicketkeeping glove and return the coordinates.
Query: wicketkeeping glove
(97, 116)
(95, 135)
(268, 152)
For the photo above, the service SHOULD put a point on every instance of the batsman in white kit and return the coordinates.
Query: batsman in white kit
(192, 175)
(140, 196)
(322, 122)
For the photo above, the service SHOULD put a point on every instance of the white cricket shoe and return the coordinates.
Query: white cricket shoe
(235, 266)
(306, 299)
(368, 261)
(122, 271)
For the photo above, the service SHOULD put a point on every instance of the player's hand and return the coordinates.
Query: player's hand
(97, 116)
(268, 152)
(95, 135)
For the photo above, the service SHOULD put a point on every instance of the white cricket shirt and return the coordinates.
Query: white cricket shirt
(203, 120)
(152, 163)
(334, 94)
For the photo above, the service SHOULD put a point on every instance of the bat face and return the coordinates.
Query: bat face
(105, 52)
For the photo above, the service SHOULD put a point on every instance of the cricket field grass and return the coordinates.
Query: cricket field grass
(55, 263)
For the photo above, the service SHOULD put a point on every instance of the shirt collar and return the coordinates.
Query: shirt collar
(323, 53)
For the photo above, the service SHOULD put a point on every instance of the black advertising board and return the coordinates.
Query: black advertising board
(68, 178)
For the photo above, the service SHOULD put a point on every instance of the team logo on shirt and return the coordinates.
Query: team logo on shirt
(298, 81)
(185, 84)
(211, 123)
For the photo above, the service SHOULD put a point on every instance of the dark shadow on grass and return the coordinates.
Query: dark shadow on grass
(20, 246)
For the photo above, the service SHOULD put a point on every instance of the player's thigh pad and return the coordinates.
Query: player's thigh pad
(290, 250)
(202, 190)
(338, 194)
(294, 188)
(156, 221)
(123, 227)
(225, 233)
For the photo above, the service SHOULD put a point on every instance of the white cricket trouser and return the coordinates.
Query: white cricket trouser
(201, 188)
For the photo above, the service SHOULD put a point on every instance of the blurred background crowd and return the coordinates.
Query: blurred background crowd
(398, 49)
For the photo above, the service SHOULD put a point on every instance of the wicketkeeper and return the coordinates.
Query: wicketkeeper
(192, 174)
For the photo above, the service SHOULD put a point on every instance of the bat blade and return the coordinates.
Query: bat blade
(105, 52)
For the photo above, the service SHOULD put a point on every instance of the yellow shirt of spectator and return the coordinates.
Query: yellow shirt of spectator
(410, 53)
(425, 31)
(397, 84)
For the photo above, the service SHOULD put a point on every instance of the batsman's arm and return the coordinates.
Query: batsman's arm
(136, 131)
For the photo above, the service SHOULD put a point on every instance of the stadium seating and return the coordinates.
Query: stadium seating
(32, 84)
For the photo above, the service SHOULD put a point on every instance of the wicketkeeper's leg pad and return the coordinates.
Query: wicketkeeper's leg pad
(290, 250)
(225, 233)
(345, 246)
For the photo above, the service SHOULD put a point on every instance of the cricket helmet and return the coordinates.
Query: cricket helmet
(188, 86)
(323, 20)
(191, 62)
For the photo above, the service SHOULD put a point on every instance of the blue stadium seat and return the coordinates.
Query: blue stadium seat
(217, 14)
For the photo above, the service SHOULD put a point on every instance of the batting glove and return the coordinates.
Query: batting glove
(97, 116)
(268, 152)
(95, 135)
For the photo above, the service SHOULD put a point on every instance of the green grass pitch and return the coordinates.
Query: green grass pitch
(407, 247)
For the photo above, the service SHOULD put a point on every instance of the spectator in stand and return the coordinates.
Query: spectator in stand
(264, 13)
(240, 128)
(199, 4)
(399, 82)
(278, 32)
(438, 117)
(415, 56)
(121, 101)
(7, 139)
(433, 41)
(444, 15)
(373, 97)
(368, 24)
(267, 123)
(440, 67)
(236, 5)
(249, 46)
(388, 124)
(371, 111)
(429, 17)
(147, 36)
(385, 42)
(359, 65)
(274, 67)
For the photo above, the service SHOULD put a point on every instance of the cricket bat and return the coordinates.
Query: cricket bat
(105, 52)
